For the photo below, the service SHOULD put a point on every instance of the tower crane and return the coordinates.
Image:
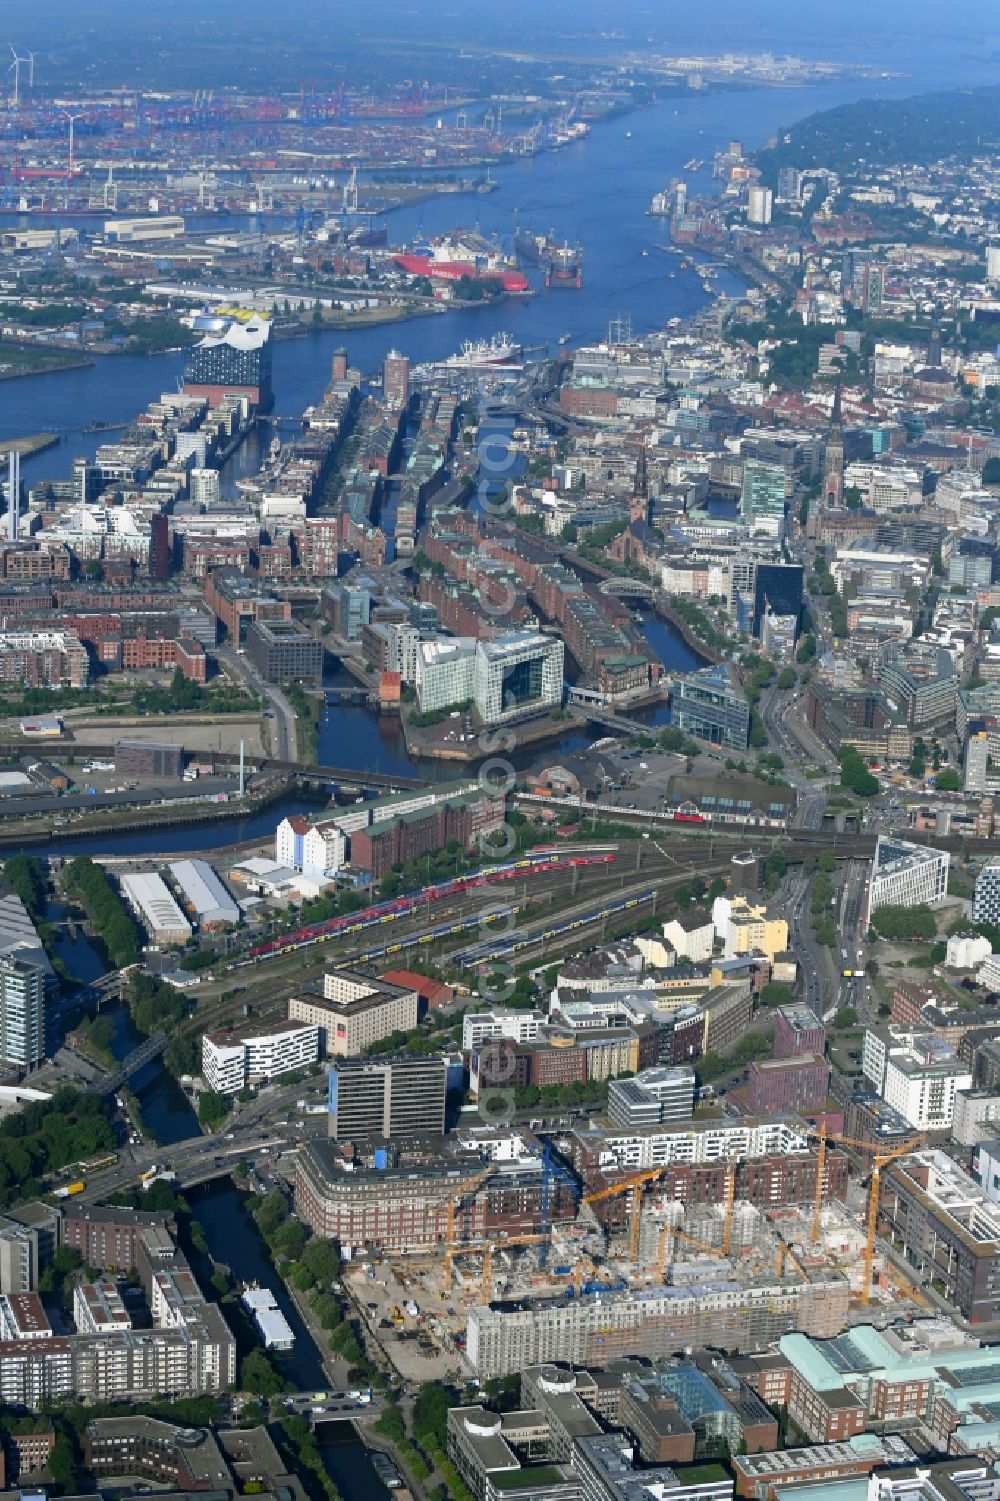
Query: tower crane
(880, 1160)
(637, 1183)
(485, 1248)
(669, 1233)
(470, 1186)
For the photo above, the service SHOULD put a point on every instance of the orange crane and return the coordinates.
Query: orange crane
(785, 1250)
(450, 1213)
(486, 1248)
(668, 1233)
(880, 1160)
(637, 1182)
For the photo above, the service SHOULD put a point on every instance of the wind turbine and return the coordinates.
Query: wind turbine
(15, 68)
(72, 121)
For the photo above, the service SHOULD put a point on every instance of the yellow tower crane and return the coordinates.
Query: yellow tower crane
(470, 1186)
(636, 1183)
(669, 1233)
(880, 1160)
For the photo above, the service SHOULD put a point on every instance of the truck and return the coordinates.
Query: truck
(149, 1174)
(70, 1189)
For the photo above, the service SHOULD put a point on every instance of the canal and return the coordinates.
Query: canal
(233, 1239)
(166, 1111)
(231, 1233)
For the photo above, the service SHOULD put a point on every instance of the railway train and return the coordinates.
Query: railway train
(538, 862)
(514, 943)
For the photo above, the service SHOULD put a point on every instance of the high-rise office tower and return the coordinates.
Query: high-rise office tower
(396, 379)
(22, 1011)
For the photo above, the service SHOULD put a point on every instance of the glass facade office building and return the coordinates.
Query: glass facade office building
(233, 362)
(711, 706)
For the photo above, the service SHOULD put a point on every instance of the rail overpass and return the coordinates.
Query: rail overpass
(229, 760)
(152, 1048)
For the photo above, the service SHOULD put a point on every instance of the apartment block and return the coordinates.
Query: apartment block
(240, 1057)
(505, 1338)
(917, 1073)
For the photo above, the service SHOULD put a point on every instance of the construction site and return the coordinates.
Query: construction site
(627, 1269)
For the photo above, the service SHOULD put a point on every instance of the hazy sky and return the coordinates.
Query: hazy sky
(910, 34)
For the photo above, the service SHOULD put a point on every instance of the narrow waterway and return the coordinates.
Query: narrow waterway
(166, 1110)
(232, 1236)
(347, 1462)
(219, 833)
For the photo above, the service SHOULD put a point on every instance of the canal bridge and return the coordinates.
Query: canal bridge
(626, 588)
(599, 713)
(152, 1048)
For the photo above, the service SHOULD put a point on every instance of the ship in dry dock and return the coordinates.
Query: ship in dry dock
(562, 264)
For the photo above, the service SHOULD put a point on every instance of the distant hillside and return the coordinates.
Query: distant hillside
(884, 132)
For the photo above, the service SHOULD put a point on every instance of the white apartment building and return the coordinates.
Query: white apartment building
(690, 938)
(444, 673)
(237, 1058)
(966, 950)
(975, 1112)
(695, 1142)
(917, 1073)
(487, 1026)
(203, 485)
(314, 849)
(906, 875)
(98, 1308)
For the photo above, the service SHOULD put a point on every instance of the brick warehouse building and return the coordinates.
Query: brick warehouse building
(396, 841)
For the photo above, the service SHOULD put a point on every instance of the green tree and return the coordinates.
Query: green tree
(213, 1108)
(775, 994)
(258, 1375)
(854, 774)
(27, 876)
(62, 1467)
(321, 1259)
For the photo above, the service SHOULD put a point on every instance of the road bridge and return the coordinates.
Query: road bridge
(598, 714)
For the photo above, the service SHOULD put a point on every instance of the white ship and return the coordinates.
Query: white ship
(481, 353)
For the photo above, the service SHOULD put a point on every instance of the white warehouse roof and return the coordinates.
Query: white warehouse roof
(149, 896)
(200, 886)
